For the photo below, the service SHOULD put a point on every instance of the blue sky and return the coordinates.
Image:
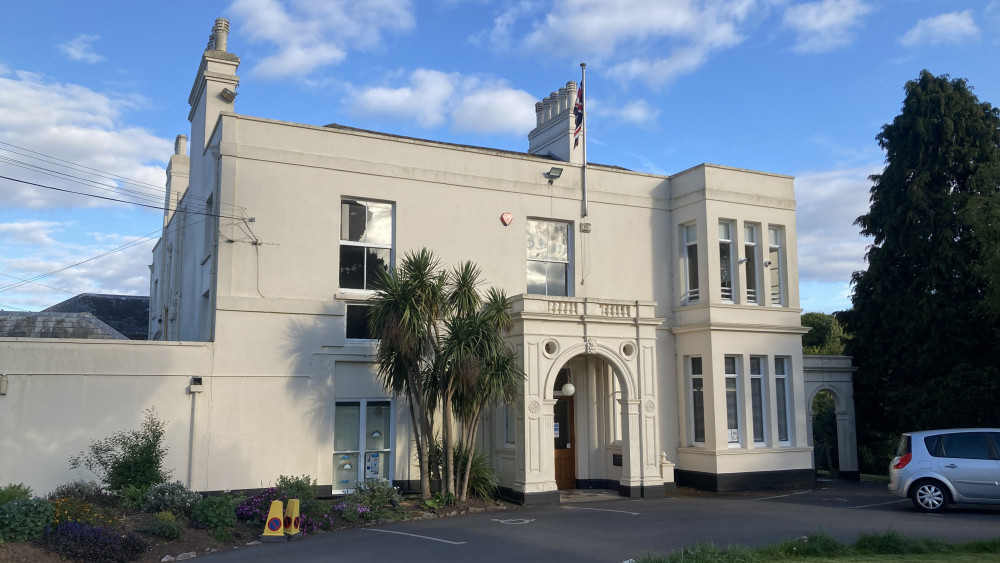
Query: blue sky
(792, 87)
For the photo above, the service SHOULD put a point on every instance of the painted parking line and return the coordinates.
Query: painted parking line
(883, 503)
(783, 496)
(602, 510)
(414, 536)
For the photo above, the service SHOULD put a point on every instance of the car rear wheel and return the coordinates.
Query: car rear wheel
(929, 496)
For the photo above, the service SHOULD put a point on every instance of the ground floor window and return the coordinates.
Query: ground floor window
(732, 400)
(361, 442)
(697, 399)
(757, 397)
(781, 396)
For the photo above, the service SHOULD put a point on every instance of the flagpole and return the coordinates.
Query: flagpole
(583, 80)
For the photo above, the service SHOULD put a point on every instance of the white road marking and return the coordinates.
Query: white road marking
(603, 510)
(783, 496)
(513, 520)
(882, 503)
(414, 536)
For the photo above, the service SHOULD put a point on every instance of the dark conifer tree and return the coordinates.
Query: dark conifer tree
(925, 325)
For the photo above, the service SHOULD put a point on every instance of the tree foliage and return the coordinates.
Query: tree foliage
(130, 457)
(826, 337)
(441, 347)
(925, 316)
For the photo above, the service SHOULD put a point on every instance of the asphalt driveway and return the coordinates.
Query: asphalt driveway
(613, 530)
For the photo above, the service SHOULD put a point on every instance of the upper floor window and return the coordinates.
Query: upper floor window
(726, 259)
(750, 261)
(357, 322)
(690, 263)
(774, 256)
(549, 265)
(366, 233)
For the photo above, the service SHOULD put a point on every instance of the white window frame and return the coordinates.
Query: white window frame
(616, 410)
(390, 246)
(362, 435)
(509, 426)
(758, 378)
(694, 365)
(726, 261)
(751, 262)
(782, 365)
(775, 258)
(732, 377)
(692, 282)
(549, 260)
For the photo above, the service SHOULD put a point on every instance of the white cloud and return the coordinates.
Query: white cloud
(27, 232)
(637, 112)
(671, 37)
(311, 34)
(433, 98)
(826, 25)
(80, 49)
(829, 244)
(76, 124)
(945, 29)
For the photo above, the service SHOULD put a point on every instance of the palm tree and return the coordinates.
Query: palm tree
(441, 344)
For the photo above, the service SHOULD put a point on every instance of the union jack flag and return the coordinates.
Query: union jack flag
(578, 114)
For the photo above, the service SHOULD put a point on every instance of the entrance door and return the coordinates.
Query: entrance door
(563, 433)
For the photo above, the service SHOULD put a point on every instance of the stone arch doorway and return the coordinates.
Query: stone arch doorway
(609, 349)
(824, 432)
(833, 375)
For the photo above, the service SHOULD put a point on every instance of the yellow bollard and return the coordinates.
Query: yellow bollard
(272, 527)
(292, 520)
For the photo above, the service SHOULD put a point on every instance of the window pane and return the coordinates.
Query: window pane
(750, 233)
(345, 470)
(346, 427)
(732, 409)
(556, 279)
(692, 266)
(779, 366)
(724, 231)
(379, 229)
(751, 272)
(352, 267)
(696, 366)
(357, 322)
(353, 217)
(757, 399)
(537, 240)
(377, 425)
(536, 277)
(774, 236)
(510, 425)
(755, 365)
(779, 396)
(698, 400)
(690, 233)
(558, 242)
(726, 269)
(378, 260)
(730, 364)
(965, 445)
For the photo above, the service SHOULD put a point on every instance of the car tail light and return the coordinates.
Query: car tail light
(903, 460)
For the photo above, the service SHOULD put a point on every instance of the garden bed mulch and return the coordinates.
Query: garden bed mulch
(245, 536)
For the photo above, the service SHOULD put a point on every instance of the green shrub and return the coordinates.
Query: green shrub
(133, 457)
(175, 497)
(132, 496)
(14, 492)
(92, 543)
(484, 482)
(164, 525)
(88, 491)
(221, 534)
(24, 519)
(216, 512)
(302, 488)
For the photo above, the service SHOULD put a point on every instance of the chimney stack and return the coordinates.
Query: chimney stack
(553, 132)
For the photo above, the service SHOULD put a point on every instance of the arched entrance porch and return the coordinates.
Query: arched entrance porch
(607, 349)
(834, 375)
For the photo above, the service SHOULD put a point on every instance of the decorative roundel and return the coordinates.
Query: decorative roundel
(296, 521)
(650, 406)
(533, 407)
(550, 348)
(274, 524)
(288, 521)
(627, 350)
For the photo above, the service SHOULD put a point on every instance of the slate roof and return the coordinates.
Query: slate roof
(56, 325)
(126, 314)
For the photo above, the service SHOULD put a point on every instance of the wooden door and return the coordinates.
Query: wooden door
(563, 433)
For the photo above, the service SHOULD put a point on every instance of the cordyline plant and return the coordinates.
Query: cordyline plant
(441, 345)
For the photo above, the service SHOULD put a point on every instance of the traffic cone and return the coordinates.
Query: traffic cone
(292, 520)
(272, 526)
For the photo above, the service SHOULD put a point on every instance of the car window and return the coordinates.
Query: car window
(903, 447)
(932, 443)
(996, 442)
(967, 445)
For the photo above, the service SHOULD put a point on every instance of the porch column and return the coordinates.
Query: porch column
(631, 482)
(539, 484)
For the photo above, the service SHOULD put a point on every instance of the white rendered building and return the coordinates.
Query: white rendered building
(670, 302)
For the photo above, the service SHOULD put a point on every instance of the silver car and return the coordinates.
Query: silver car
(938, 467)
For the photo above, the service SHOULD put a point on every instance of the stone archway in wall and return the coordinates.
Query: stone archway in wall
(835, 375)
(605, 345)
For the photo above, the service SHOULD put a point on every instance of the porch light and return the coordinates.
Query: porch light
(568, 388)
